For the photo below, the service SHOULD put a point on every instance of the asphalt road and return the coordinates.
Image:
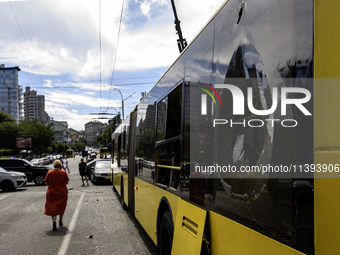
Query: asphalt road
(94, 222)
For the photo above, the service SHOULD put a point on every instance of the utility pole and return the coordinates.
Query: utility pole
(181, 42)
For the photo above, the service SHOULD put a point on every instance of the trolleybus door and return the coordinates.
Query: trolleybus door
(131, 160)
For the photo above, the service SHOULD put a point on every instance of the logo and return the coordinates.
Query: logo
(204, 98)
(238, 100)
(238, 104)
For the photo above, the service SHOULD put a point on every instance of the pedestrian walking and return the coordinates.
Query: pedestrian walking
(82, 171)
(66, 165)
(56, 195)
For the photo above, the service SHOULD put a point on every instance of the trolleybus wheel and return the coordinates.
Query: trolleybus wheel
(166, 232)
(122, 194)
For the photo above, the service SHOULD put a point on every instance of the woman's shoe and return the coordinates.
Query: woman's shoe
(54, 226)
(60, 223)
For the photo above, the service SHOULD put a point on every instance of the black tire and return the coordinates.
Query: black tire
(166, 233)
(7, 186)
(39, 179)
(122, 194)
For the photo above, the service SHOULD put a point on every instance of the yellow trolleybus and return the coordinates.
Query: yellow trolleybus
(103, 151)
(69, 153)
(235, 150)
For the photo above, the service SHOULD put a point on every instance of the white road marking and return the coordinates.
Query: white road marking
(67, 238)
(5, 196)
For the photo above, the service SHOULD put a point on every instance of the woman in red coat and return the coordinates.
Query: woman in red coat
(56, 196)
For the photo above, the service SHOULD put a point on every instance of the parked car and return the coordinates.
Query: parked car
(10, 180)
(33, 173)
(90, 168)
(50, 159)
(152, 164)
(46, 161)
(59, 157)
(101, 172)
(91, 165)
(37, 161)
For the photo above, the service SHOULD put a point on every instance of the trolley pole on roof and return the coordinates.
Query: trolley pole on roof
(181, 42)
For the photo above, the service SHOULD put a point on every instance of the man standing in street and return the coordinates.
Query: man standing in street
(82, 171)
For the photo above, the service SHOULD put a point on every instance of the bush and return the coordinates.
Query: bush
(6, 152)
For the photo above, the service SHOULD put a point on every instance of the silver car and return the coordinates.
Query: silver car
(101, 172)
(10, 180)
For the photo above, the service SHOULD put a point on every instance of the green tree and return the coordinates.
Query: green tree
(8, 131)
(82, 139)
(42, 135)
(105, 138)
(5, 117)
(80, 146)
(101, 139)
(60, 148)
(54, 148)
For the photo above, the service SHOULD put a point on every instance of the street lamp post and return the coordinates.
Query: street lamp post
(121, 95)
(122, 101)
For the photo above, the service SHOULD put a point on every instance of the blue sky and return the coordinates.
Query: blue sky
(67, 50)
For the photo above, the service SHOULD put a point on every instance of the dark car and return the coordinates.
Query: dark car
(33, 173)
(102, 171)
(84, 154)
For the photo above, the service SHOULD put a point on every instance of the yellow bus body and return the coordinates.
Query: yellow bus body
(232, 238)
(326, 124)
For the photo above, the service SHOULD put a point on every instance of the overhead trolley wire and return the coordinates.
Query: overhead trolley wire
(87, 81)
(100, 55)
(89, 85)
(115, 56)
(24, 37)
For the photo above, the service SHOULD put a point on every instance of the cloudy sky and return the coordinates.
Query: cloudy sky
(79, 52)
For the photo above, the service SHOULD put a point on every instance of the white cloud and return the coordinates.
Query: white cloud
(59, 36)
(63, 107)
(5, 1)
(152, 48)
(71, 99)
(48, 83)
(63, 36)
(74, 120)
(63, 39)
(145, 8)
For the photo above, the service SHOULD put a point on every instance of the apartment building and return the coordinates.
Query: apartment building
(11, 101)
(74, 135)
(92, 130)
(34, 106)
(61, 132)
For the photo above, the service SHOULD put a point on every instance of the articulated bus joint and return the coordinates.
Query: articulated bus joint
(205, 250)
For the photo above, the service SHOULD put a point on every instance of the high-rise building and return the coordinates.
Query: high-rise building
(10, 92)
(34, 106)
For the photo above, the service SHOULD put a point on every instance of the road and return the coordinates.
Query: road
(94, 222)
